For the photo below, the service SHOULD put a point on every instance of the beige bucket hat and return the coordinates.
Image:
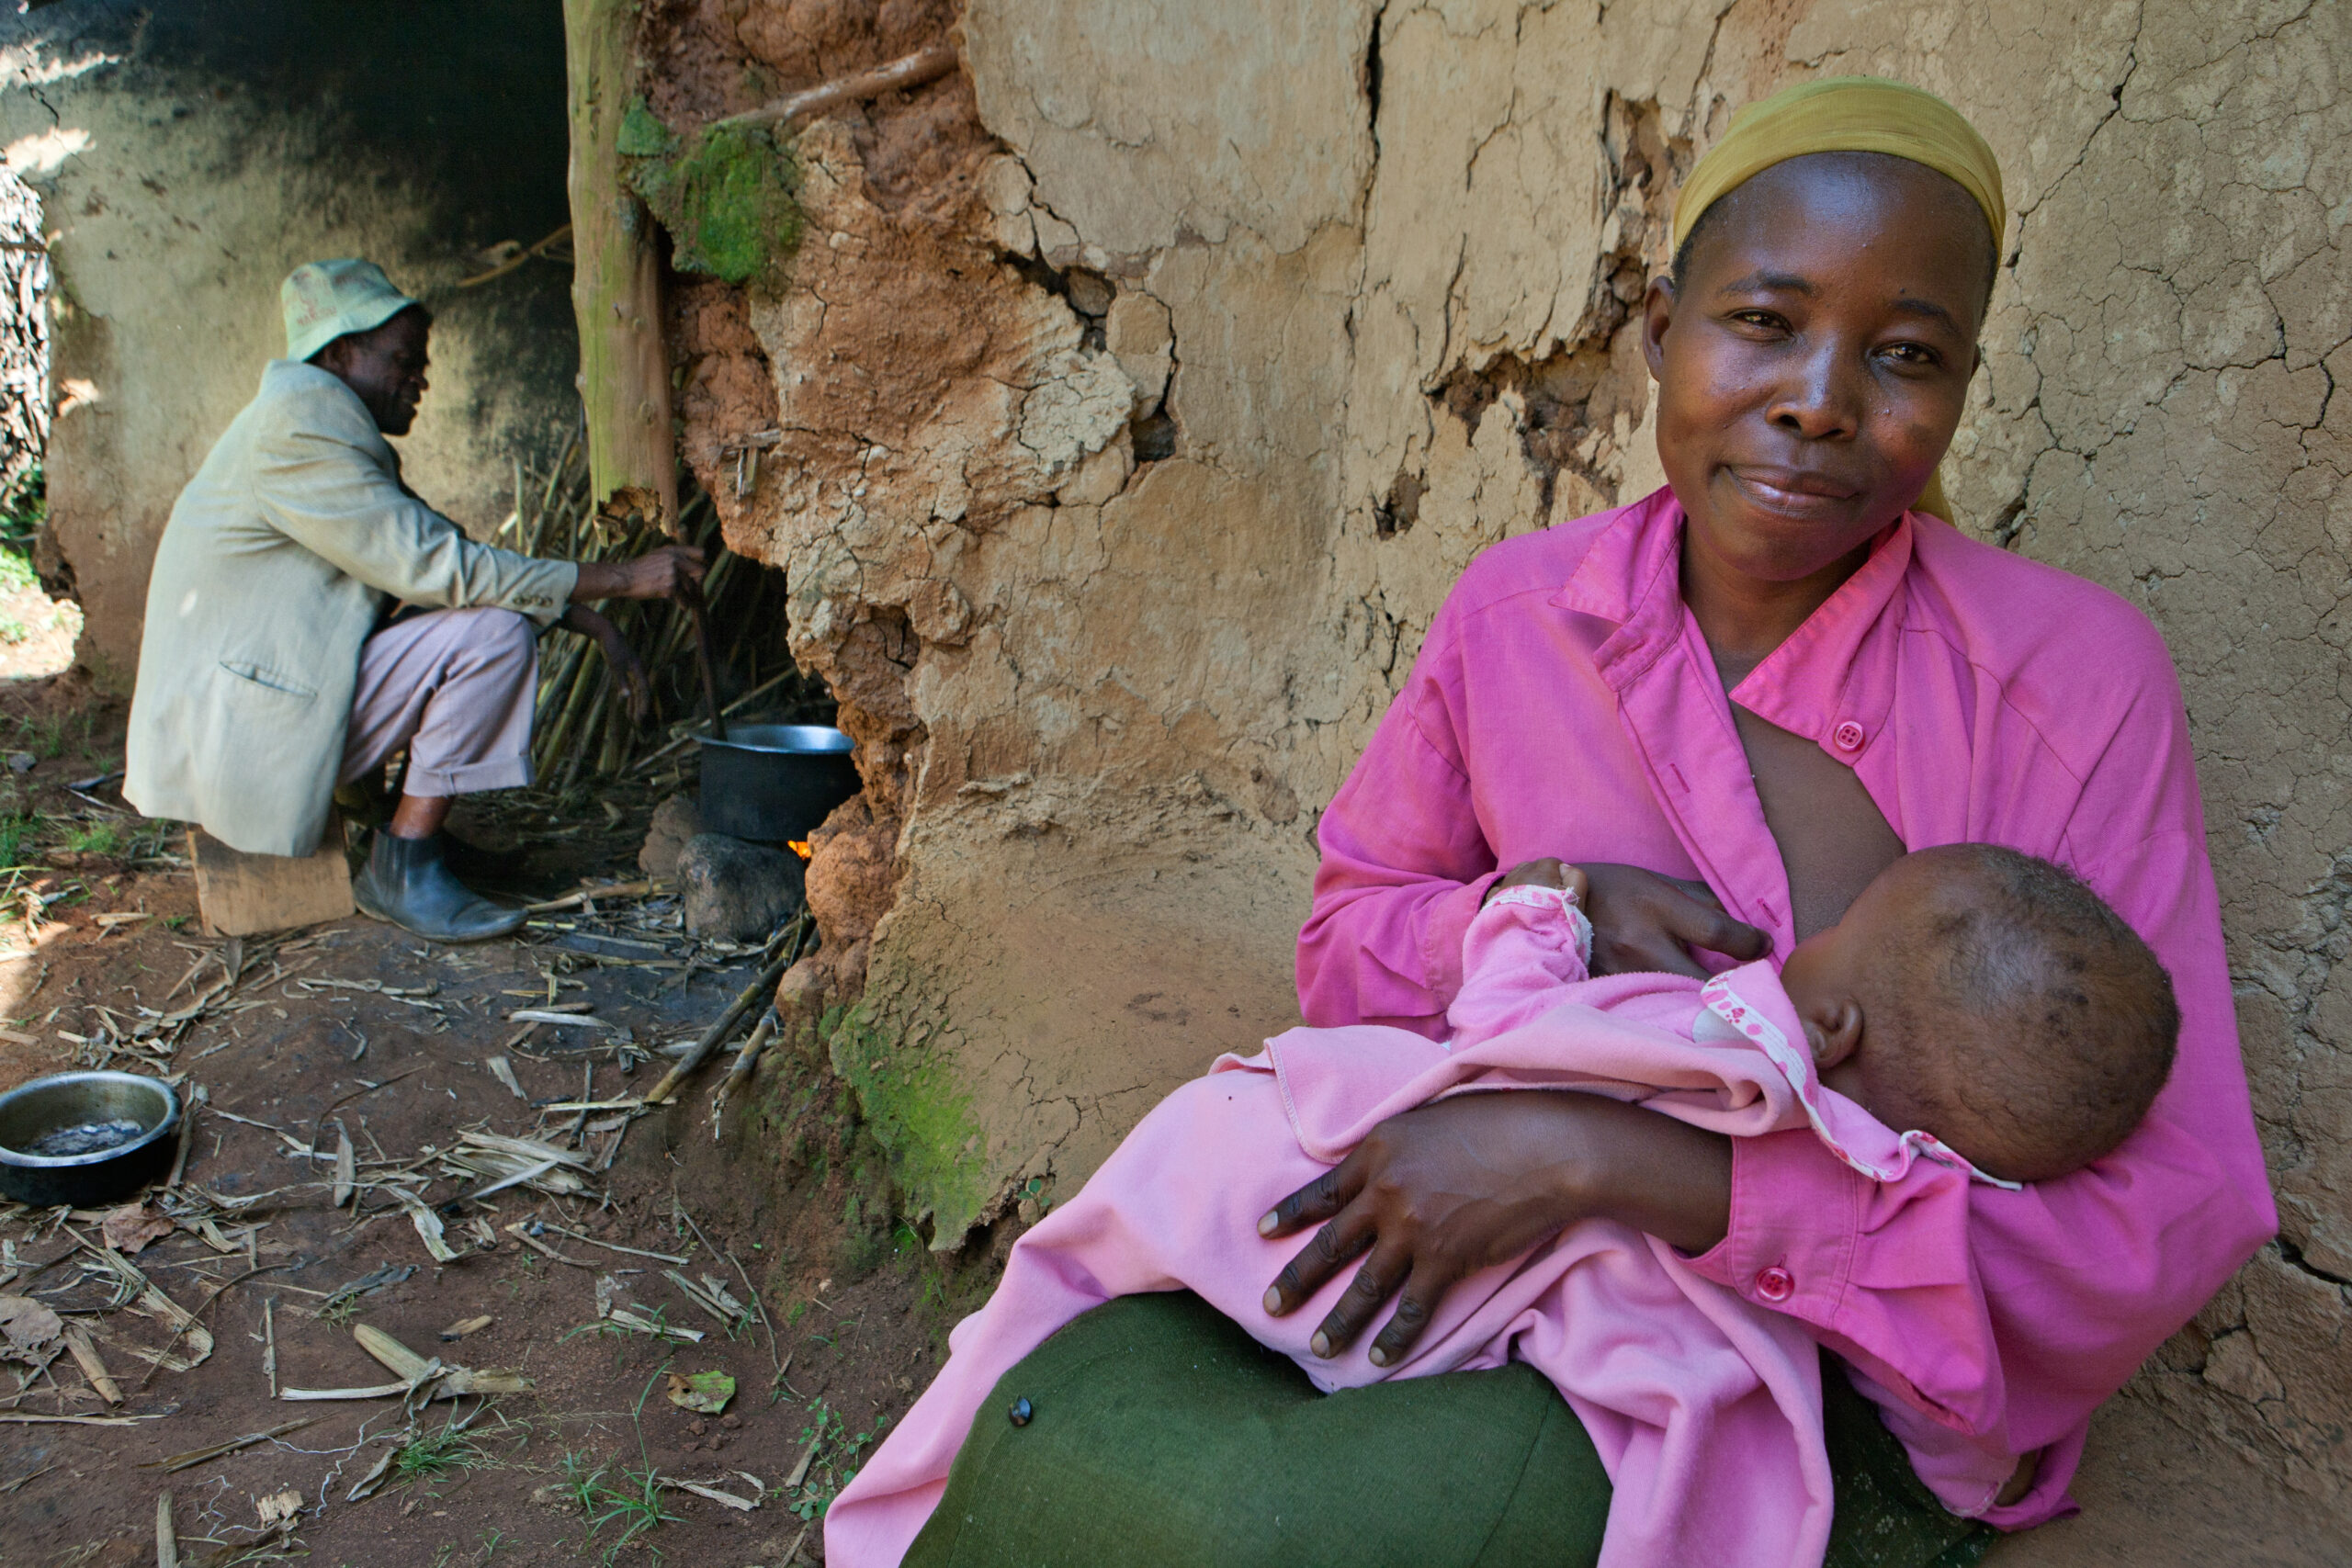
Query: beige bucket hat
(324, 300)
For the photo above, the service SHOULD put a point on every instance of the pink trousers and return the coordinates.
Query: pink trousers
(455, 688)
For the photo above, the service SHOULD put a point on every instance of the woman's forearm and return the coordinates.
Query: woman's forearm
(1473, 1180)
(1649, 1172)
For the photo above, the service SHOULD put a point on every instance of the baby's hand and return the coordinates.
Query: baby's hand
(1546, 873)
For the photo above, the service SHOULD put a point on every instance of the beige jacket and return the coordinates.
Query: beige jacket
(278, 561)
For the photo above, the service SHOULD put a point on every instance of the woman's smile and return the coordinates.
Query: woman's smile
(1806, 495)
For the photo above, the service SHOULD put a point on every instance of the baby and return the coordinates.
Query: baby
(1976, 1008)
(1981, 999)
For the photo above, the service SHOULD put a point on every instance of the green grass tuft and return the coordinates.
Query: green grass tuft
(434, 1456)
(627, 1498)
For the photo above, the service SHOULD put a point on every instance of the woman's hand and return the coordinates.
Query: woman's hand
(1642, 921)
(1441, 1191)
(669, 571)
(626, 669)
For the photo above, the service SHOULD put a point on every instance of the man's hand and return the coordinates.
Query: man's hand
(626, 669)
(1441, 1192)
(670, 572)
(1642, 921)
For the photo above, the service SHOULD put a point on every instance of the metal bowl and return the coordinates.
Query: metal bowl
(773, 783)
(33, 1110)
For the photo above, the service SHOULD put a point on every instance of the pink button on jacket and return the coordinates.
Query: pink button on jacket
(1564, 704)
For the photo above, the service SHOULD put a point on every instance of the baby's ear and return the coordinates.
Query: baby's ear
(1833, 1028)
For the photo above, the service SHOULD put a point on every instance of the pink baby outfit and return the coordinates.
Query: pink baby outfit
(1705, 1410)
(1563, 703)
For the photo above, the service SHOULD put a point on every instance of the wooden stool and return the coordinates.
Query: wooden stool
(244, 894)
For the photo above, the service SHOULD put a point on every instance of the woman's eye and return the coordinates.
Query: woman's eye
(1765, 320)
(1913, 354)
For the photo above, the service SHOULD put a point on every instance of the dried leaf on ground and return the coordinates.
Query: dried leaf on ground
(85, 1356)
(522, 1234)
(367, 1391)
(364, 1487)
(464, 1327)
(696, 1294)
(448, 1380)
(706, 1391)
(498, 1161)
(152, 1302)
(383, 1277)
(429, 1227)
(800, 1471)
(133, 1226)
(638, 1324)
(716, 1290)
(563, 1019)
(278, 1506)
(741, 1505)
(503, 1071)
(26, 1325)
(235, 1445)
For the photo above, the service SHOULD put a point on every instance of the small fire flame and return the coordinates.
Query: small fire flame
(800, 847)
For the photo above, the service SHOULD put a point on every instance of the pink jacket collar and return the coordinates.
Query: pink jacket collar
(1837, 668)
(1747, 1003)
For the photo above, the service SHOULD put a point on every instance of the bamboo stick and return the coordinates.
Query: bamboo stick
(718, 1033)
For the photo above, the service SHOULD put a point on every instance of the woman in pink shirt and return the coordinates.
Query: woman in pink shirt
(1733, 703)
(1761, 685)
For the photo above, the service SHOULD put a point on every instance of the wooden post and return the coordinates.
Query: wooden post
(615, 275)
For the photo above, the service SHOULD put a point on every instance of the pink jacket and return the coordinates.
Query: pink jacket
(1563, 703)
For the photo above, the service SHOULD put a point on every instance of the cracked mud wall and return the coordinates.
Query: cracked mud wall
(189, 156)
(1141, 388)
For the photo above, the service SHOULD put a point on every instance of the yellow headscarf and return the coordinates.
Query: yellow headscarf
(1848, 113)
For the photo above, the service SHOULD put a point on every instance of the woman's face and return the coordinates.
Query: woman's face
(1813, 367)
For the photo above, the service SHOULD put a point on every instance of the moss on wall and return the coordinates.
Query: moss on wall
(729, 195)
(916, 1111)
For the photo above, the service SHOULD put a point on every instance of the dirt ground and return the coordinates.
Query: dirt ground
(360, 1028)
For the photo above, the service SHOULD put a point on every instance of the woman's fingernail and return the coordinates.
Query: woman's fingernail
(1320, 1344)
(1267, 1222)
(1273, 1302)
(1376, 1356)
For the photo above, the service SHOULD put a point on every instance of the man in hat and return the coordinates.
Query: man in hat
(273, 667)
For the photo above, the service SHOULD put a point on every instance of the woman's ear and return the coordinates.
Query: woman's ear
(1657, 314)
(1833, 1028)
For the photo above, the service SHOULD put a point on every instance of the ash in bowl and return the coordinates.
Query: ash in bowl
(87, 1139)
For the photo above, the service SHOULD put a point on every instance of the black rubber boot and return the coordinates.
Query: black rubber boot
(406, 883)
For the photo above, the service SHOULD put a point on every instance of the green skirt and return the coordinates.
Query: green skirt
(1161, 1435)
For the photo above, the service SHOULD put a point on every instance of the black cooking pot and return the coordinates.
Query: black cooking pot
(775, 783)
(36, 1110)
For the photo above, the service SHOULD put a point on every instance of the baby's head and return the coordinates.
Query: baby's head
(1992, 1000)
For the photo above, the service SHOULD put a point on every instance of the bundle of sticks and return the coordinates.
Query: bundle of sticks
(584, 729)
